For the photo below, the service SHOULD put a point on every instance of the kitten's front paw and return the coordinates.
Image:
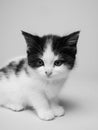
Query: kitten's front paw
(59, 111)
(46, 115)
(13, 107)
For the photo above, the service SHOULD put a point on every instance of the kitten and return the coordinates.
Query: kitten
(37, 79)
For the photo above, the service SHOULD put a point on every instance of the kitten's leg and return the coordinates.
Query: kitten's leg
(42, 107)
(57, 109)
(14, 107)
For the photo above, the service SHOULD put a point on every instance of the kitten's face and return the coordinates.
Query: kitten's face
(51, 56)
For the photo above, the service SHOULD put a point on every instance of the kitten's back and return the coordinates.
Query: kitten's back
(14, 66)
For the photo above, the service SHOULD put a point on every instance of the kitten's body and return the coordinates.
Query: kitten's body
(36, 80)
(21, 84)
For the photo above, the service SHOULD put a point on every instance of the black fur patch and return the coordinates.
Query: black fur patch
(19, 67)
(35, 48)
(4, 72)
(66, 48)
(13, 68)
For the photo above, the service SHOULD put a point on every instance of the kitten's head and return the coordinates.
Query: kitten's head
(51, 56)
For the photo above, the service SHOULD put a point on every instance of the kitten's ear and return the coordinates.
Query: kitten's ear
(72, 39)
(30, 39)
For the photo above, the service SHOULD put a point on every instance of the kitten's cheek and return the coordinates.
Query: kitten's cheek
(41, 72)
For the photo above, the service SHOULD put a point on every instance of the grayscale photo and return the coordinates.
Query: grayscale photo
(48, 65)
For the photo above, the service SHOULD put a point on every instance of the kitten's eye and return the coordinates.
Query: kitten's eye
(58, 63)
(39, 63)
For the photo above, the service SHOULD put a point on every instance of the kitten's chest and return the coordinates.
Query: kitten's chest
(29, 85)
(52, 89)
(49, 88)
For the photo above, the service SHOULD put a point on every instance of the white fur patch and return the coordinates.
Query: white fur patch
(48, 56)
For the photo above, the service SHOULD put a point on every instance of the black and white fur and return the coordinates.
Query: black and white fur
(37, 79)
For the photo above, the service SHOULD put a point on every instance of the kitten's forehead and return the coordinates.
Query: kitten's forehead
(48, 54)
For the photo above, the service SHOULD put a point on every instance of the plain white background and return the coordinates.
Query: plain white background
(80, 96)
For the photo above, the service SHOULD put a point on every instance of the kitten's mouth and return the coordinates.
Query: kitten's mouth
(48, 77)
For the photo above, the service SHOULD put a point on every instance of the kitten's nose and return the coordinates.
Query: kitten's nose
(48, 73)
